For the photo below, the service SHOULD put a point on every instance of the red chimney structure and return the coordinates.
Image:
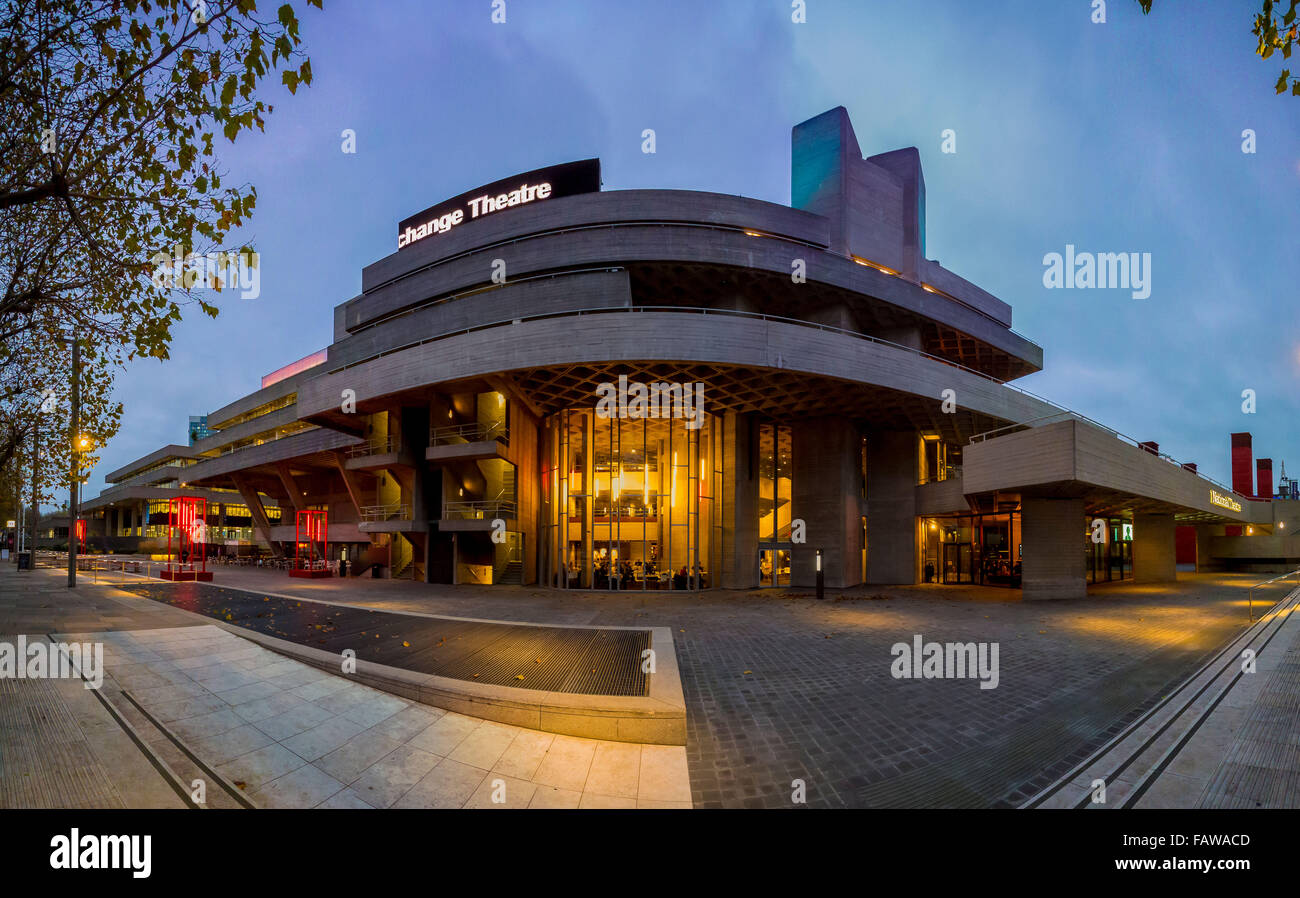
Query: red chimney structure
(1243, 477)
(1264, 478)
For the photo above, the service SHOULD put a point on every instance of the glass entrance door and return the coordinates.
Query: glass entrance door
(774, 567)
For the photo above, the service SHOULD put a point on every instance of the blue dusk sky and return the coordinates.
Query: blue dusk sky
(1116, 137)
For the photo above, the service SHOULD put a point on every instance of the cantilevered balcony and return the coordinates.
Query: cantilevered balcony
(394, 517)
(478, 514)
(378, 452)
(467, 441)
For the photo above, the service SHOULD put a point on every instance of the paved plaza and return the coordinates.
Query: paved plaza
(781, 687)
(291, 736)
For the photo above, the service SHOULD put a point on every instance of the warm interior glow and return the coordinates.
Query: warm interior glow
(672, 487)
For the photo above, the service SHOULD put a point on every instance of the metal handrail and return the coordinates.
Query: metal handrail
(478, 509)
(375, 514)
(1251, 598)
(376, 446)
(469, 432)
(950, 472)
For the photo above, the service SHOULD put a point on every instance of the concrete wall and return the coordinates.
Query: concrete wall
(825, 493)
(633, 241)
(941, 497)
(1052, 534)
(666, 336)
(1076, 455)
(605, 289)
(1154, 556)
(891, 507)
(739, 505)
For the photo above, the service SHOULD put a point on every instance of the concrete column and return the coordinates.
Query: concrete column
(1052, 533)
(1204, 558)
(739, 505)
(891, 507)
(825, 496)
(1154, 556)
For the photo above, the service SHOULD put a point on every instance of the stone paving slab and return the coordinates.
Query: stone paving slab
(290, 735)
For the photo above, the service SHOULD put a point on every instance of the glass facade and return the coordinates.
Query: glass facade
(1112, 557)
(631, 503)
(984, 549)
(775, 485)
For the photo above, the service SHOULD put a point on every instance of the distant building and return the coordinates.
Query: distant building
(199, 428)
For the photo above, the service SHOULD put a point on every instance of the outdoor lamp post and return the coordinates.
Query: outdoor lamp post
(78, 442)
(821, 577)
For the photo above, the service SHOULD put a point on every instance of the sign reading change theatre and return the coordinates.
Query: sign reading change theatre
(520, 190)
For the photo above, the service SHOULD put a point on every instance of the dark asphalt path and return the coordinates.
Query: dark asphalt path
(579, 660)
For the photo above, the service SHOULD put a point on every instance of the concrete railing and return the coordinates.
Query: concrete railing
(693, 310)
(1066, 414)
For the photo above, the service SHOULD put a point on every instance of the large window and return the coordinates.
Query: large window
(938, 459)
(630, 503)
(775, 481)
(1112, 558)
(983, 549)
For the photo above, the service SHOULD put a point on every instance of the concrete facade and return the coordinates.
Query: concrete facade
(1053, 560)
(434, 431)
(1153, 548)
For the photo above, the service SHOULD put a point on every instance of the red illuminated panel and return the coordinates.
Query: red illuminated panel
(289, 370)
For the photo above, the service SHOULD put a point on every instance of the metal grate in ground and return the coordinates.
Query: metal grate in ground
(577, 660)
(1262, 768)
(45, 761)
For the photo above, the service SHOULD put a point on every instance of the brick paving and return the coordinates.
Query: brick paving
(782, 687)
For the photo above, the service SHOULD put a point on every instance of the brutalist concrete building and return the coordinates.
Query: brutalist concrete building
(551, 383)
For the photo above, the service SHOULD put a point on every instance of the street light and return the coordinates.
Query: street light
(79, 442)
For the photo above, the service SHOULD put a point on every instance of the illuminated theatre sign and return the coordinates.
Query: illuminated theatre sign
(1217, 498)
(519, 190)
